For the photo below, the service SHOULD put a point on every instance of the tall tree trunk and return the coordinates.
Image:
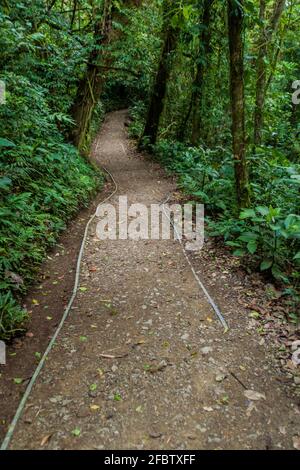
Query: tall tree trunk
(266, 34)
(236, 52)
(197, 98)
(160, 86)
(181, 131)
(90, 86)
(261, 76)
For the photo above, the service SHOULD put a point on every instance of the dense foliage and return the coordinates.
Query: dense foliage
(209, 85)
(267, 231)
(43, 179)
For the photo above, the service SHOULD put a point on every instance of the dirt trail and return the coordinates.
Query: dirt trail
(175, 380)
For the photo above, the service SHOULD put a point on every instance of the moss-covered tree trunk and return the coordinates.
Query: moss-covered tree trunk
(90, 86)
(266, 34)
(261, 75)
(158, 94)
(236, 53)
(197, 96)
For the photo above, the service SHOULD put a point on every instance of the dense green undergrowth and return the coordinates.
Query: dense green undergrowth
(49, 54)
(268, 234)
(200, 108)
(41, 188)
(43, 179)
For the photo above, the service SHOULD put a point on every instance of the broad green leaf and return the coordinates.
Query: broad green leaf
(266, 264)
(234, 244)
(278, 273)
(252, 247)
(247, 213)
(6, 143)
(239, 252)
(5, 182)
(248, 237)
(263, 210)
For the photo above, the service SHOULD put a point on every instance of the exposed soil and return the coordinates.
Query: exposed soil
(142, 362)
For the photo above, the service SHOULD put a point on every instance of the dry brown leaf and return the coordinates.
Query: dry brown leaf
(296, 442)
(46, 439)
(252, 395)
(94, 407)
(115, 356)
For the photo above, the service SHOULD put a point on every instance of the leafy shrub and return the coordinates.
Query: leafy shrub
(272, 239)
(12, 317)
(137, 113)
(41, 188)
(270, 234)
(205, 175)
(43, 179)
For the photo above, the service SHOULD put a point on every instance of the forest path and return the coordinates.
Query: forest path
(172, 381)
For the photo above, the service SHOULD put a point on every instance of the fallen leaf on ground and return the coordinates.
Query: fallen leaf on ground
(155, 434)
(140, 341)
(208, 408)
(220, 377)
(18, 380)
(252, 395)
(250, 408)
(110, 356)
(158, 367)
(45, 439)
(296, 442)
(94, 407)
(282, 430)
